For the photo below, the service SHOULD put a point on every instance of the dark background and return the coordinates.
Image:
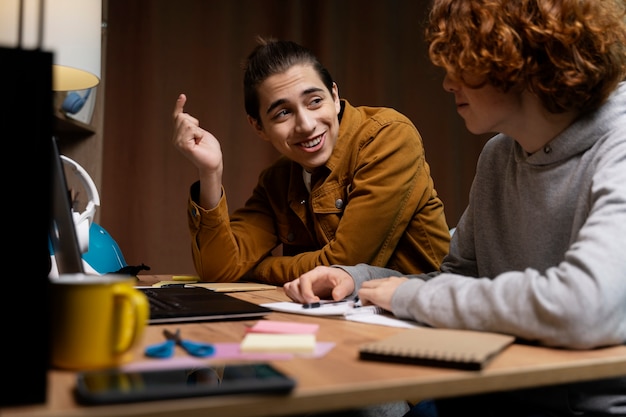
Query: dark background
(158, 49)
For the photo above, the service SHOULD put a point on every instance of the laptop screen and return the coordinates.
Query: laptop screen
(63, 240)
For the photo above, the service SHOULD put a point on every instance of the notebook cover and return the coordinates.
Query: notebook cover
(460, 349)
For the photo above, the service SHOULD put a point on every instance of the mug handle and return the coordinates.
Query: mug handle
(132, 315)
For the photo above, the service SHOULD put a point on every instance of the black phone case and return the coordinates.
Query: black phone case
(118, 386)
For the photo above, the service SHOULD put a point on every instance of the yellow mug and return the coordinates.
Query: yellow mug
(97, 320)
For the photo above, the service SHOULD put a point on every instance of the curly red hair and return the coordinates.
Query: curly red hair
(570, 53)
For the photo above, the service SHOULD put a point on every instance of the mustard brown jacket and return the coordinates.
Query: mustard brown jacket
(373, 202)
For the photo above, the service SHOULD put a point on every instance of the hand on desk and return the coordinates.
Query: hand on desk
(322, 282)
(335, 283)
(380, 291)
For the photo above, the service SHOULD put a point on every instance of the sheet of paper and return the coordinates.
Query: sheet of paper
(233, 286)
(225, 351)
(382, 320)
(324, 310)
(220, 286)
(347, 311)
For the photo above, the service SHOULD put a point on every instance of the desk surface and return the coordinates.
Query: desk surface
(339, 379)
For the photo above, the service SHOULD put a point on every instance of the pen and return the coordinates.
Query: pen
(323, 302)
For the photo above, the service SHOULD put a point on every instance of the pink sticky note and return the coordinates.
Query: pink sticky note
(288, 327)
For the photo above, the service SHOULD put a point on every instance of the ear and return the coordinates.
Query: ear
(336, 98)
(256, 126)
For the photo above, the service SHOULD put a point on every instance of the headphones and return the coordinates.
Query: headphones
(83, 221)
(73, 103)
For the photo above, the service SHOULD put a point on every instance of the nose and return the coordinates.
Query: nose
(449, 84)
(305, 121)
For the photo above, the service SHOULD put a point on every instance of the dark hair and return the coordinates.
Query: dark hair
(271, 57)
(570, 53)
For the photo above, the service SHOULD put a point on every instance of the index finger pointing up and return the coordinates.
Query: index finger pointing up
(180, 104)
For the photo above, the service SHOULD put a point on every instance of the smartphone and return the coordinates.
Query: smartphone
(119, 386)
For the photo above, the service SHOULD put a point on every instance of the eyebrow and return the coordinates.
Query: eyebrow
(278, 102)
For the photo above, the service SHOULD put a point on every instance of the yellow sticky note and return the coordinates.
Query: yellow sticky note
(185, 278)
(234, 286)
(281, 343)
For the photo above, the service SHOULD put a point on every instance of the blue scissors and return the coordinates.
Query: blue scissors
(166, 349)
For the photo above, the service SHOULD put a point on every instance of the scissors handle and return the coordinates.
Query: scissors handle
(161, 350)
(197, 349)
(166, 349)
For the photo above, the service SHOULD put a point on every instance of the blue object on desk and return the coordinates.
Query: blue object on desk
(166, 349)
(104, 254)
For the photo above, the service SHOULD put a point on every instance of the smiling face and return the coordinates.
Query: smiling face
(299, 116)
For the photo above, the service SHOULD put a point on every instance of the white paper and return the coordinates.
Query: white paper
(347, 311)
(382, 320)
(323, 310)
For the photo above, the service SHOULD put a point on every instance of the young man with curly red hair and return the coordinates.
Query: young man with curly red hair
(539, 251)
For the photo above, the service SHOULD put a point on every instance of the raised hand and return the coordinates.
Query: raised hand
(198, 145)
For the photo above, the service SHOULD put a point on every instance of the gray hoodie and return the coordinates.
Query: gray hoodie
(540, 251)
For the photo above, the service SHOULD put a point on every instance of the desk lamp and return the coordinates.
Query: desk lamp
(70, 29)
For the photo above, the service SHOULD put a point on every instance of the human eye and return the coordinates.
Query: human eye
(281, 114)
(315, 102)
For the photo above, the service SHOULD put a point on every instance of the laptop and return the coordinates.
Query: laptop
(191, 304)
(167, 304)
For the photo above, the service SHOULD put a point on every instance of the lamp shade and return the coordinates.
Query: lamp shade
(71, 30)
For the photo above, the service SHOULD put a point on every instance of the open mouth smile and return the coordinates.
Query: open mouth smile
(311, 143)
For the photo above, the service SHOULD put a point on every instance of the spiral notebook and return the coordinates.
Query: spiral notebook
(461, 349)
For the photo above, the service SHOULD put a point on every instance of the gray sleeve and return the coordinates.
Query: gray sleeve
(364, 272)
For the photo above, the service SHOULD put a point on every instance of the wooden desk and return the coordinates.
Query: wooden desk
(339, 379)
